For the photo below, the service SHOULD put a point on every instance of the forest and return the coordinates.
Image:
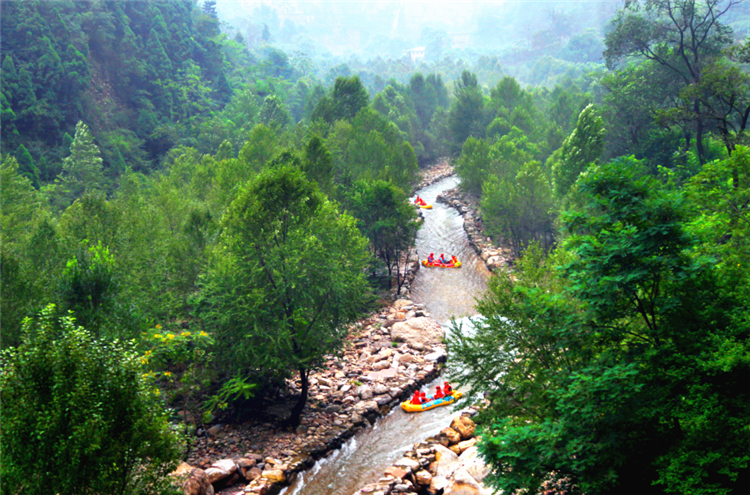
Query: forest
(197, 202)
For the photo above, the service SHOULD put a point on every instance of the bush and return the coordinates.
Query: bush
(79, 416)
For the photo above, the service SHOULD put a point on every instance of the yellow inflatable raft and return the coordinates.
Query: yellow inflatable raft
(450, 399)
(437, 264)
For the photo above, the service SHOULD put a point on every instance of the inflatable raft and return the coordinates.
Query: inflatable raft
(444, 401)
(424, 206)
(437, 264)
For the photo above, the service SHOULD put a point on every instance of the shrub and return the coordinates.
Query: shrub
(79, 416)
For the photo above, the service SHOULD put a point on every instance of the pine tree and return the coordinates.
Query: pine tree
(26, 166)
(82, 170)
(209, 8)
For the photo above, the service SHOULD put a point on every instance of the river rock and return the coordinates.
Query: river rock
(465, 426)
(424, 477)
(382, 400)
(452, 435)
(473, 463)
(402, 303)
(381, 365)
(364, 407)
(198, 483)
(407, 463)
(438, 484)
(379, 389)
(396, 472)
(494, 262)
(463, 484)
(437, 357)
(419, 330)
(220, 470)
(446, 462)
(216, 430)
(462, 446)
(364, 392)
(274, 475)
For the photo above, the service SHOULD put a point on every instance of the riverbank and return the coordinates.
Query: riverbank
(448, 464)
(496, 258)
(388, 355)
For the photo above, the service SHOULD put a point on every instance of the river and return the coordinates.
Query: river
(445, 293)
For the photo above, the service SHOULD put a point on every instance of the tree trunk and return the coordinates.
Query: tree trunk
(294, 417)
(699, 135)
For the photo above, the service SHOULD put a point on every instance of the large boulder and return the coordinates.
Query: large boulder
(421, 330)
(464, 484)
(464, 426)
(452, 435)
(473, 463)
(446, 462)
(220, 470)
(197, 483)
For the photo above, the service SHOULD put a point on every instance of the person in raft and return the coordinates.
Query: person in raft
(442, 259)
(438, 393)
(423, 398)
(431, 258)
(447, 389)
(415, 400)
(454, 260)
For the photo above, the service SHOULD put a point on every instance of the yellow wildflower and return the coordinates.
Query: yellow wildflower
(158, 327)
(185, 334)
(167, 373)
(203, 334)
(156, 391)
(170, 336)
(144, 360)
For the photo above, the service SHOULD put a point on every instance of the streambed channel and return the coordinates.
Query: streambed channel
(446, 293)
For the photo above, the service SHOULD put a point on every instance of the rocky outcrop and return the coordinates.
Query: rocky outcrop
(444, 464)
(494, 257)
(419, 330)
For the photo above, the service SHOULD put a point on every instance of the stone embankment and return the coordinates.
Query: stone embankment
(467, 206)
(387, 357)
(436, 172)
(447, 464)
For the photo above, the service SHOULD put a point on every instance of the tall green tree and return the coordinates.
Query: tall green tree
(466, 116)
(582, 148)
(387, 218)
(82, 170)
(286, 278)
(683, 36)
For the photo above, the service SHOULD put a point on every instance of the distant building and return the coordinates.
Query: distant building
(415, 53)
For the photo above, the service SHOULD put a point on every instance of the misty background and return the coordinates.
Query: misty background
(537, 42)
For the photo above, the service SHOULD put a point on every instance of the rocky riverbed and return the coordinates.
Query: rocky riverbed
(387, 357)
(447, 464)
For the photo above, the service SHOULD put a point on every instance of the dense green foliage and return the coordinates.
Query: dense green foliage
(615, 357)
(229, 204)
(287, 261)
(78, 415)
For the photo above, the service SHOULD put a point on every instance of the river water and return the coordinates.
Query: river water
(445, 293)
